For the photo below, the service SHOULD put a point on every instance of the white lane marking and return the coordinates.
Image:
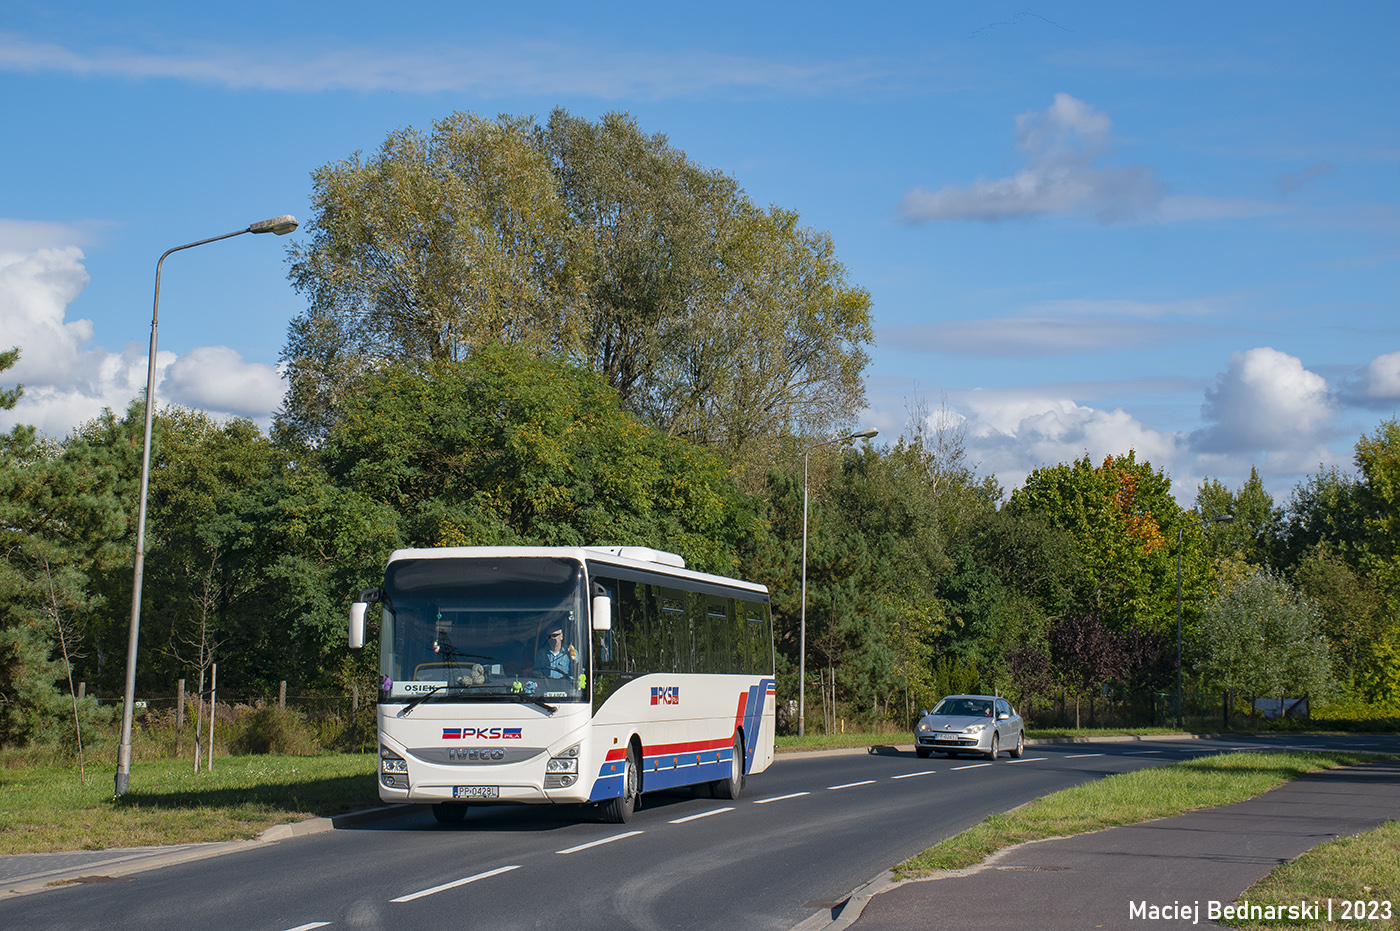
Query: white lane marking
(973, 766)
(599, 843)
(851, 785)
(703, 814)
(452, 885)
(1080, 756)
(1030, 759)
(310, 927)
(1141, 752)
(779, 798)
(1241, 748)
(926, 772)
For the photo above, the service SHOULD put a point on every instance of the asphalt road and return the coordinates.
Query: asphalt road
(803, 836)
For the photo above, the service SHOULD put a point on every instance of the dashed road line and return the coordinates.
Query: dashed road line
(779, 798)
(310, 927)
(1141, 752)
(445, 886)
(703, 814)
(1030, 759)
(598, 843)
(973, 766)
(1080, 756)
(852, 785)
(924, 772)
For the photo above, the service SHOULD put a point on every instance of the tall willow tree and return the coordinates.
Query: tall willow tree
(712, 318)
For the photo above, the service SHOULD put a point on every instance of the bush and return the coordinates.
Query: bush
(270, 729)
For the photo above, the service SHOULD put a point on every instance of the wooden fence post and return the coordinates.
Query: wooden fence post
(282, 695)
(179, 717)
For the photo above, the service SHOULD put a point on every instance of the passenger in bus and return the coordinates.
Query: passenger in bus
(554, 661)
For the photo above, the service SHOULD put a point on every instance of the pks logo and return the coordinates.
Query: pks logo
(481, 733)
(666, 695)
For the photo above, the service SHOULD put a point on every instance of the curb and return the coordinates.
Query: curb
(347, 820)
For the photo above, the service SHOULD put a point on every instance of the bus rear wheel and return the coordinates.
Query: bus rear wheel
(732, 786)
(619, 810)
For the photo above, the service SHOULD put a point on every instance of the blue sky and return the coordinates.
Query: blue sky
(1086, 227)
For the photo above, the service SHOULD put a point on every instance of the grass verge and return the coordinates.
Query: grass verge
(1363, 868)
(1126, 798)
(47, 809)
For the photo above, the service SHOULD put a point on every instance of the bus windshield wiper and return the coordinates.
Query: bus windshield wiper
(420, 699)
(538, 701)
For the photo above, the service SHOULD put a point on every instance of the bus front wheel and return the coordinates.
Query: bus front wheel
(449, 813)
(619, 810)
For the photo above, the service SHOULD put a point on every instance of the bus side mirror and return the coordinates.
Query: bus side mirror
(357, 624)
(602, 612)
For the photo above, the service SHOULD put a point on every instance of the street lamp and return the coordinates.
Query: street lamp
(1222, 519)
(281, 226)
(865, 434)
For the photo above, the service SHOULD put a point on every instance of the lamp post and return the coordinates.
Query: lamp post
(281, 226)
(866, 434)
(1222, 519)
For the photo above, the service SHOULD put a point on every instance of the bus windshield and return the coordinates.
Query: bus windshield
(484, 629)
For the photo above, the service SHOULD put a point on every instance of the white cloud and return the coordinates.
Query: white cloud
(68, 380)
(1011, 433)
(1380, 381)
(504, 66)
(217, 378)
(1067, 326)
(1064, 173)
(1266, 401)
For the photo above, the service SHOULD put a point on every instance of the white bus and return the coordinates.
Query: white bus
(546, 675)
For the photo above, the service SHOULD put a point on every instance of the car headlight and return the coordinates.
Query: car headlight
(924, 727)
(974, 728)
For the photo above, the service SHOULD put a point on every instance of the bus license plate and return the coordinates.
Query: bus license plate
(475, 792)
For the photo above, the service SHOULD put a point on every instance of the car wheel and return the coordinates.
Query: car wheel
(731, 787)
(992, 753)
(1020, 747)
(619, 810)
(922, 752)
(448, 812)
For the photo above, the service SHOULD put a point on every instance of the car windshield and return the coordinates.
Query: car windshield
(964, 708)
(480, 629)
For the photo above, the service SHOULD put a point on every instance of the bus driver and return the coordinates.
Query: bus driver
(553, 661)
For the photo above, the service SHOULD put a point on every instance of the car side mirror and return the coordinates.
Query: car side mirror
(602, 612)
(1003, 716)
(924, 713)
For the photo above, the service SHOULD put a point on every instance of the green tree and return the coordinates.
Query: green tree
(710, 317)
(1253, 535)
(1122, 518)
(1260, 637)
(504, 448)
(58, 515)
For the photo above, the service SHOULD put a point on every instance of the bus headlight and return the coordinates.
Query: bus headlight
(562, 769)
(393, 769)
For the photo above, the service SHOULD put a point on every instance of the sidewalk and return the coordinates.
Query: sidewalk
(1091, 881)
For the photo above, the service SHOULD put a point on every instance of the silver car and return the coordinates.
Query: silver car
(984, 724)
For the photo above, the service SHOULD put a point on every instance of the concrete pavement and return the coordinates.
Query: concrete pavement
(1159, 874)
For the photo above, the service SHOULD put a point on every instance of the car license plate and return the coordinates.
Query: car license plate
(945, 736)
(475, 792)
